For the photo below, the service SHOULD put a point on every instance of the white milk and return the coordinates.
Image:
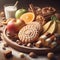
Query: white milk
(10, 11)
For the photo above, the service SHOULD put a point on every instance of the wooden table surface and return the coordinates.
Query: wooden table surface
(15, 53)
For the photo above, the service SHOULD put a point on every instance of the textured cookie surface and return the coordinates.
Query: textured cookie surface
(37, 25)
(28, 34)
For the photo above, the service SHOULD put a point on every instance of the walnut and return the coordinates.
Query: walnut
(48, 11)
(40, 19)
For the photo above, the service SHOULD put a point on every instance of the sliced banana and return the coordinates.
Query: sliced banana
(46, 26)
(52, 27)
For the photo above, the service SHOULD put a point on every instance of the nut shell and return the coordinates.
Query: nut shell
(50, 55)
(32, 54)
(48, 11)
(40, 19)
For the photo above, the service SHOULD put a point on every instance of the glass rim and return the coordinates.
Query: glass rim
(9, 5)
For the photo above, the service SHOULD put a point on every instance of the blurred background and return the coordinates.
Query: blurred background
(25, 3)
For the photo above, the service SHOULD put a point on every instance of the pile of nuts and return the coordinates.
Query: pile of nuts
(45, 40)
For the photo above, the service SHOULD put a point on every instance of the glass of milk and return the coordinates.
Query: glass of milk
(10, 11)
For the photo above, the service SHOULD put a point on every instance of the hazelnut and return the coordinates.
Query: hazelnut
(50, 55)
(32, 54)
(38, 44)
(21, 55)
(18, 42)
(2, 14)
(7, 53)
(29, 45)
